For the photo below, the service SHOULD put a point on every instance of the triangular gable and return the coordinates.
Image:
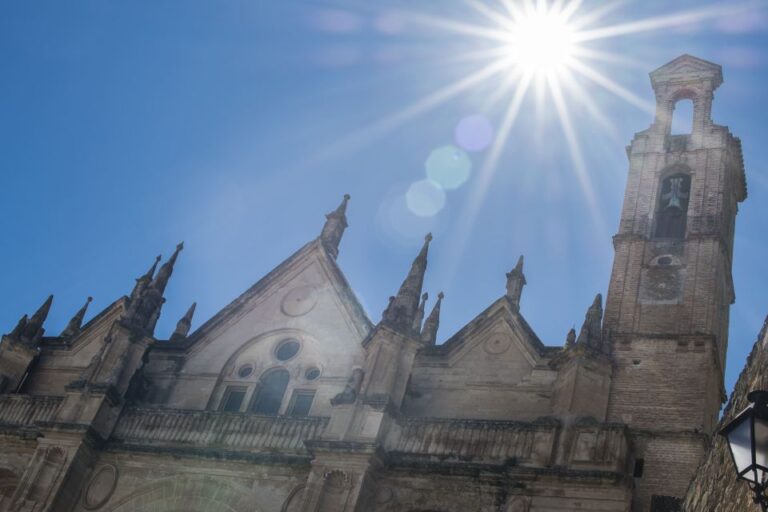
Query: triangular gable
(93, 330)
(500, 320)
(241, 304)
(685, 67)
(500, 310)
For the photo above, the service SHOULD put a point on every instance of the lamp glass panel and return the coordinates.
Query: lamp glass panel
(761, 447)
(740, 440)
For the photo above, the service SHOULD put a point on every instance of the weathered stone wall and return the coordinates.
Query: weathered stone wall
(492, 369)
(412, 489)
(304, 304)
(665, 384)
(714, 487)
(133, 482)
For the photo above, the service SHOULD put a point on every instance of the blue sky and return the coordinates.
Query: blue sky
(126, 127)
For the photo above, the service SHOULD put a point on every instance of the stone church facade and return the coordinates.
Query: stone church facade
(292, 399)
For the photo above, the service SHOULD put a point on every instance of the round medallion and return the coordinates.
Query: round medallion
(100, 487)
(496, 344)
(299, 301)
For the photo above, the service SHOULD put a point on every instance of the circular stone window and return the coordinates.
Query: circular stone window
(312, 373)
(245, 371)
(287, 349)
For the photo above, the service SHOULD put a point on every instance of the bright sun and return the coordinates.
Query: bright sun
(541, 41)
(554, 49)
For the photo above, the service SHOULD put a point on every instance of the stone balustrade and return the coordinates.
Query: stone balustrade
(591, 446)
(599, 447)
(541, 444)
(218, 430)
(26, 410)
(476, 440)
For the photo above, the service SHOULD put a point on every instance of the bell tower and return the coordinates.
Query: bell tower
(671, 287)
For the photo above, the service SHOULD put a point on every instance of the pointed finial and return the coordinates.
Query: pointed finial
(515, 282)
(19, 329)
(402, 311)
(182, 327)
(420, 313)
(432, 323)
(333, 230)
(570, 340)
(591, 332)
(161, 280)
(34, 330)
(151, 272)
(342, 208)
(144, 280)
(74, 325)
(388, 314)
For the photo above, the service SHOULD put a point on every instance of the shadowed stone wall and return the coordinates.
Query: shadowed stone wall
(714, 487)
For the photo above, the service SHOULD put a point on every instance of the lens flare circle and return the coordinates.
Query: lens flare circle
(448, 167)
(474, 133)
(425, 198)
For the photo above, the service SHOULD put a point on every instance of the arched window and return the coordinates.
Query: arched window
(269, 395)
(672, 210)
(682, 117)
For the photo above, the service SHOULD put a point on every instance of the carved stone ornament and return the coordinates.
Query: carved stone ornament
(351, 390)
(496, 344)
(337, 481)
(100, 488)
(299, 301)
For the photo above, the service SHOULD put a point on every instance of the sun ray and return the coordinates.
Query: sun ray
(454, 26)
(393, 121)
(502, 90)
(612, 86)
(570, 9)
(511, 8)
(671, 20)
(596, 15)
(581, 96)
(489, 13)
(502, 133)
(478, 191)
(574, 149)
(611, 58)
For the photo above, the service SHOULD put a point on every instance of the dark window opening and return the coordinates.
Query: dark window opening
(664, 260)
(639, 465)
(301, 403)
(269, 395)
(287, 350)
(233, 399)
(312, 374)
(666, 504)
(245, 371)
(672, 211)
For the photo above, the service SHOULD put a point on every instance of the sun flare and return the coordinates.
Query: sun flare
(541, 41)
(551, 54)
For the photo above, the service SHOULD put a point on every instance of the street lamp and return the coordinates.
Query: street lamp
(747, 437)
